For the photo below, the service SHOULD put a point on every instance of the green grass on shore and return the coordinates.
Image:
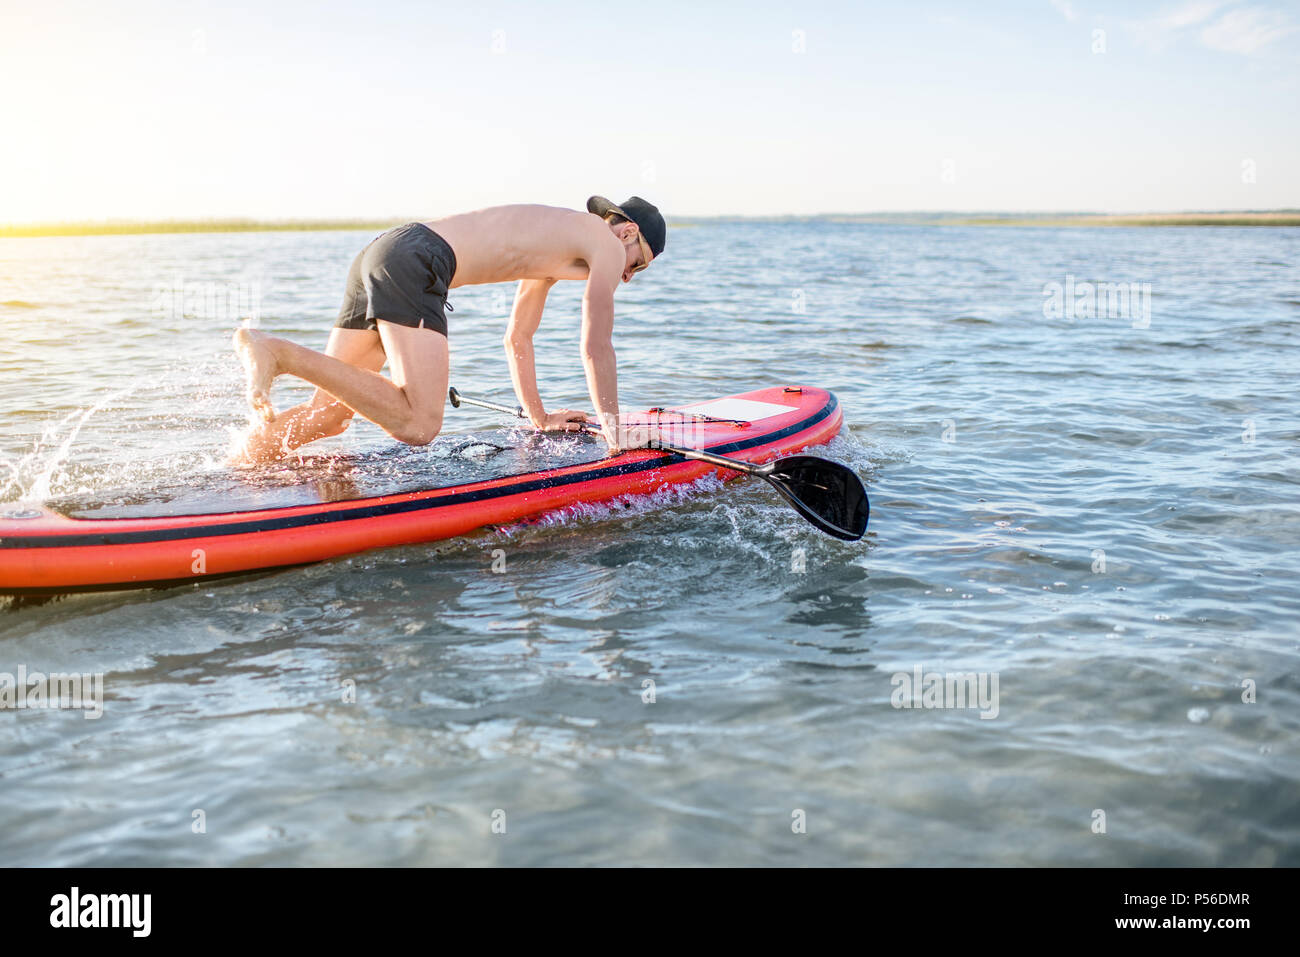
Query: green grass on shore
(130, 227)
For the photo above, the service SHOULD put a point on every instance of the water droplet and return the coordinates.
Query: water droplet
(1162, 617)
(1198, 715)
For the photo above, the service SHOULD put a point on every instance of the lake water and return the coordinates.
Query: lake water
(1099, 512)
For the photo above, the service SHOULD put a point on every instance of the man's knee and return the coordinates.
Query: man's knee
(419, 429)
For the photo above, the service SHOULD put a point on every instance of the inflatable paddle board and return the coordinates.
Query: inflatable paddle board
(241, 521)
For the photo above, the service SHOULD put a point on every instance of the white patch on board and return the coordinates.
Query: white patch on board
(746, 409)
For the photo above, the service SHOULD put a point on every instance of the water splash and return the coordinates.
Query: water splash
(33, 474)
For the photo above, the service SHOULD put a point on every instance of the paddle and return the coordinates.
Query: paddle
(827, 494)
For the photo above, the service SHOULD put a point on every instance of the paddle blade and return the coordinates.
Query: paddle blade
(826, 493)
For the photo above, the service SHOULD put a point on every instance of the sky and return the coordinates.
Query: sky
(171, 109)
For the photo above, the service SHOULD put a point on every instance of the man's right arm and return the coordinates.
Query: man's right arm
(530, 300)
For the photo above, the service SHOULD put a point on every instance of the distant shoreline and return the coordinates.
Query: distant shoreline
(1282, 218)
(144, 227)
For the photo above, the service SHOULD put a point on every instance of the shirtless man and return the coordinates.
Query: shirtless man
(393, 310)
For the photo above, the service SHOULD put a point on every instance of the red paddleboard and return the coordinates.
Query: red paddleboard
(197, 533)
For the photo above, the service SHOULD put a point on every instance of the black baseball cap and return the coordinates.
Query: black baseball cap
(646, 215)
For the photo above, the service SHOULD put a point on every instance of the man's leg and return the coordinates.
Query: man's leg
(322, 415)
(409, 407)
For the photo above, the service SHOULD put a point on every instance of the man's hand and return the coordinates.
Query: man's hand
(565, 420)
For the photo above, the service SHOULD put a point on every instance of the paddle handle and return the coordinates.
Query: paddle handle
(735, 465)
(456, 399)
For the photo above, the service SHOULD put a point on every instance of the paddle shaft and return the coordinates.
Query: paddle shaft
(736, 465)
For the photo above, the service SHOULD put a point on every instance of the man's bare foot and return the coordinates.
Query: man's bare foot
(260, 367)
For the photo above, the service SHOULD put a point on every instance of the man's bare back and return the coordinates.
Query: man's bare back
(394, 313)
(505, 243)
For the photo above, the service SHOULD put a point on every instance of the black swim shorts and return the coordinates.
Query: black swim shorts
(402, 277)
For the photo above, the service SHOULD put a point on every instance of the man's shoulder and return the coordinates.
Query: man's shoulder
(587, 231)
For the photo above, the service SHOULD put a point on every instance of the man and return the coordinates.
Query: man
(393, 310)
